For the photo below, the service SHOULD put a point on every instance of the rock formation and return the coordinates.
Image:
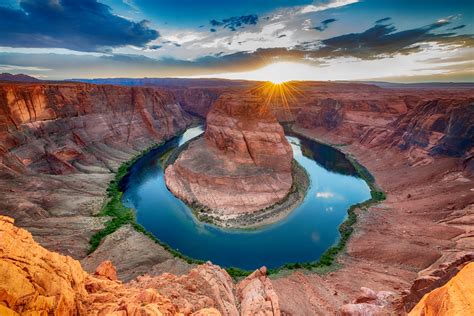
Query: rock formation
(59, 147)
(245, 149)
(36, 281)
(432, 278)
(368, 302)
(71, 128)
(406, 245)
(454, 298)
(327, 113)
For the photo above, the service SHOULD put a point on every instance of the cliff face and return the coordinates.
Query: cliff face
(245, 149)
(422, 126)
(454, 298)
(59, 146)
(36, 281)
(327, 113)
(197, 101)
(438, 127)
(70, 128)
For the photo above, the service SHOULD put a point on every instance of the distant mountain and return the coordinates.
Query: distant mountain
(17, 78)
(169, 82)
(423, 85)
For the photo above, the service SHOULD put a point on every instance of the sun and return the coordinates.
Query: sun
(278, 81)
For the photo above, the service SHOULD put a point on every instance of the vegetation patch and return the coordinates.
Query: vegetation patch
(121, 215)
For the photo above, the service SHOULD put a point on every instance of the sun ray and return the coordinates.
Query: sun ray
(283, 95)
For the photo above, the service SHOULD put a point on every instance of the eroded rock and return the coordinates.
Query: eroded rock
(245, 149)
(36, 281)
(456, 297)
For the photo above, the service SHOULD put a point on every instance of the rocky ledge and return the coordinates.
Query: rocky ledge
(35, 281)
(243, 163)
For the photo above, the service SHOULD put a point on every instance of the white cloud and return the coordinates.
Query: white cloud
(315, 7)
(324, 195)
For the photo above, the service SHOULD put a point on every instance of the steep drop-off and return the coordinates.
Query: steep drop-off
(408, 245)
(59, 147)
(35, 281)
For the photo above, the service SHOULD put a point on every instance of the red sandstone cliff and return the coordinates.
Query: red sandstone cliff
(245, 149)
(59, 146)
(426, 220)
(36, 281)
(422, 125)
(68, 128)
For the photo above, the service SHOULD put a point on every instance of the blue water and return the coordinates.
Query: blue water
(303, 236)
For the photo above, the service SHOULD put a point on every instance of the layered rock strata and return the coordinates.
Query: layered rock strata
(35, 281)
(60, 145)
(241, 165)
(425, 223)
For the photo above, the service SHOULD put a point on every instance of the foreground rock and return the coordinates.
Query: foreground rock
(244, 150)
(454, 298)
(36, 281)
(368, 302)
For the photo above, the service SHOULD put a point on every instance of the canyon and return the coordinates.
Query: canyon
(60, 144)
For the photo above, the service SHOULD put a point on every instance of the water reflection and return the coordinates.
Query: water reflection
(303, 236)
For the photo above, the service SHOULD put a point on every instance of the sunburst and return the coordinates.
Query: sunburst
(275, 94)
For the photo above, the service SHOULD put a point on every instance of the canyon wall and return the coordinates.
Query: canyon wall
(59, 147)
(60, 143)
(423, 125)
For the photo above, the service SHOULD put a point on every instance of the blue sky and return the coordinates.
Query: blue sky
(401, 40)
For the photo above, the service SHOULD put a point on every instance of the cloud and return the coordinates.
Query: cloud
(384, 40)
(325, 5)
(457, 28)
(324, 195)
(383, 20)
(235, 22)
(154, 47)
(85, 25)
(324, 25)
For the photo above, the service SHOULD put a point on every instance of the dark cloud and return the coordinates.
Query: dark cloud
(383, 39)
(379, 41)
(235, 22)
(212, 30)
(155, 47)
(85, 25)
(324, 25)
(383, 20)
(457, 28)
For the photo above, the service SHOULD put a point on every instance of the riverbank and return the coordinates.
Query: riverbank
(253, 220)
(276, 213)
(417, 227)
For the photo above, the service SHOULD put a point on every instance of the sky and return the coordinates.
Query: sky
(276, 40)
